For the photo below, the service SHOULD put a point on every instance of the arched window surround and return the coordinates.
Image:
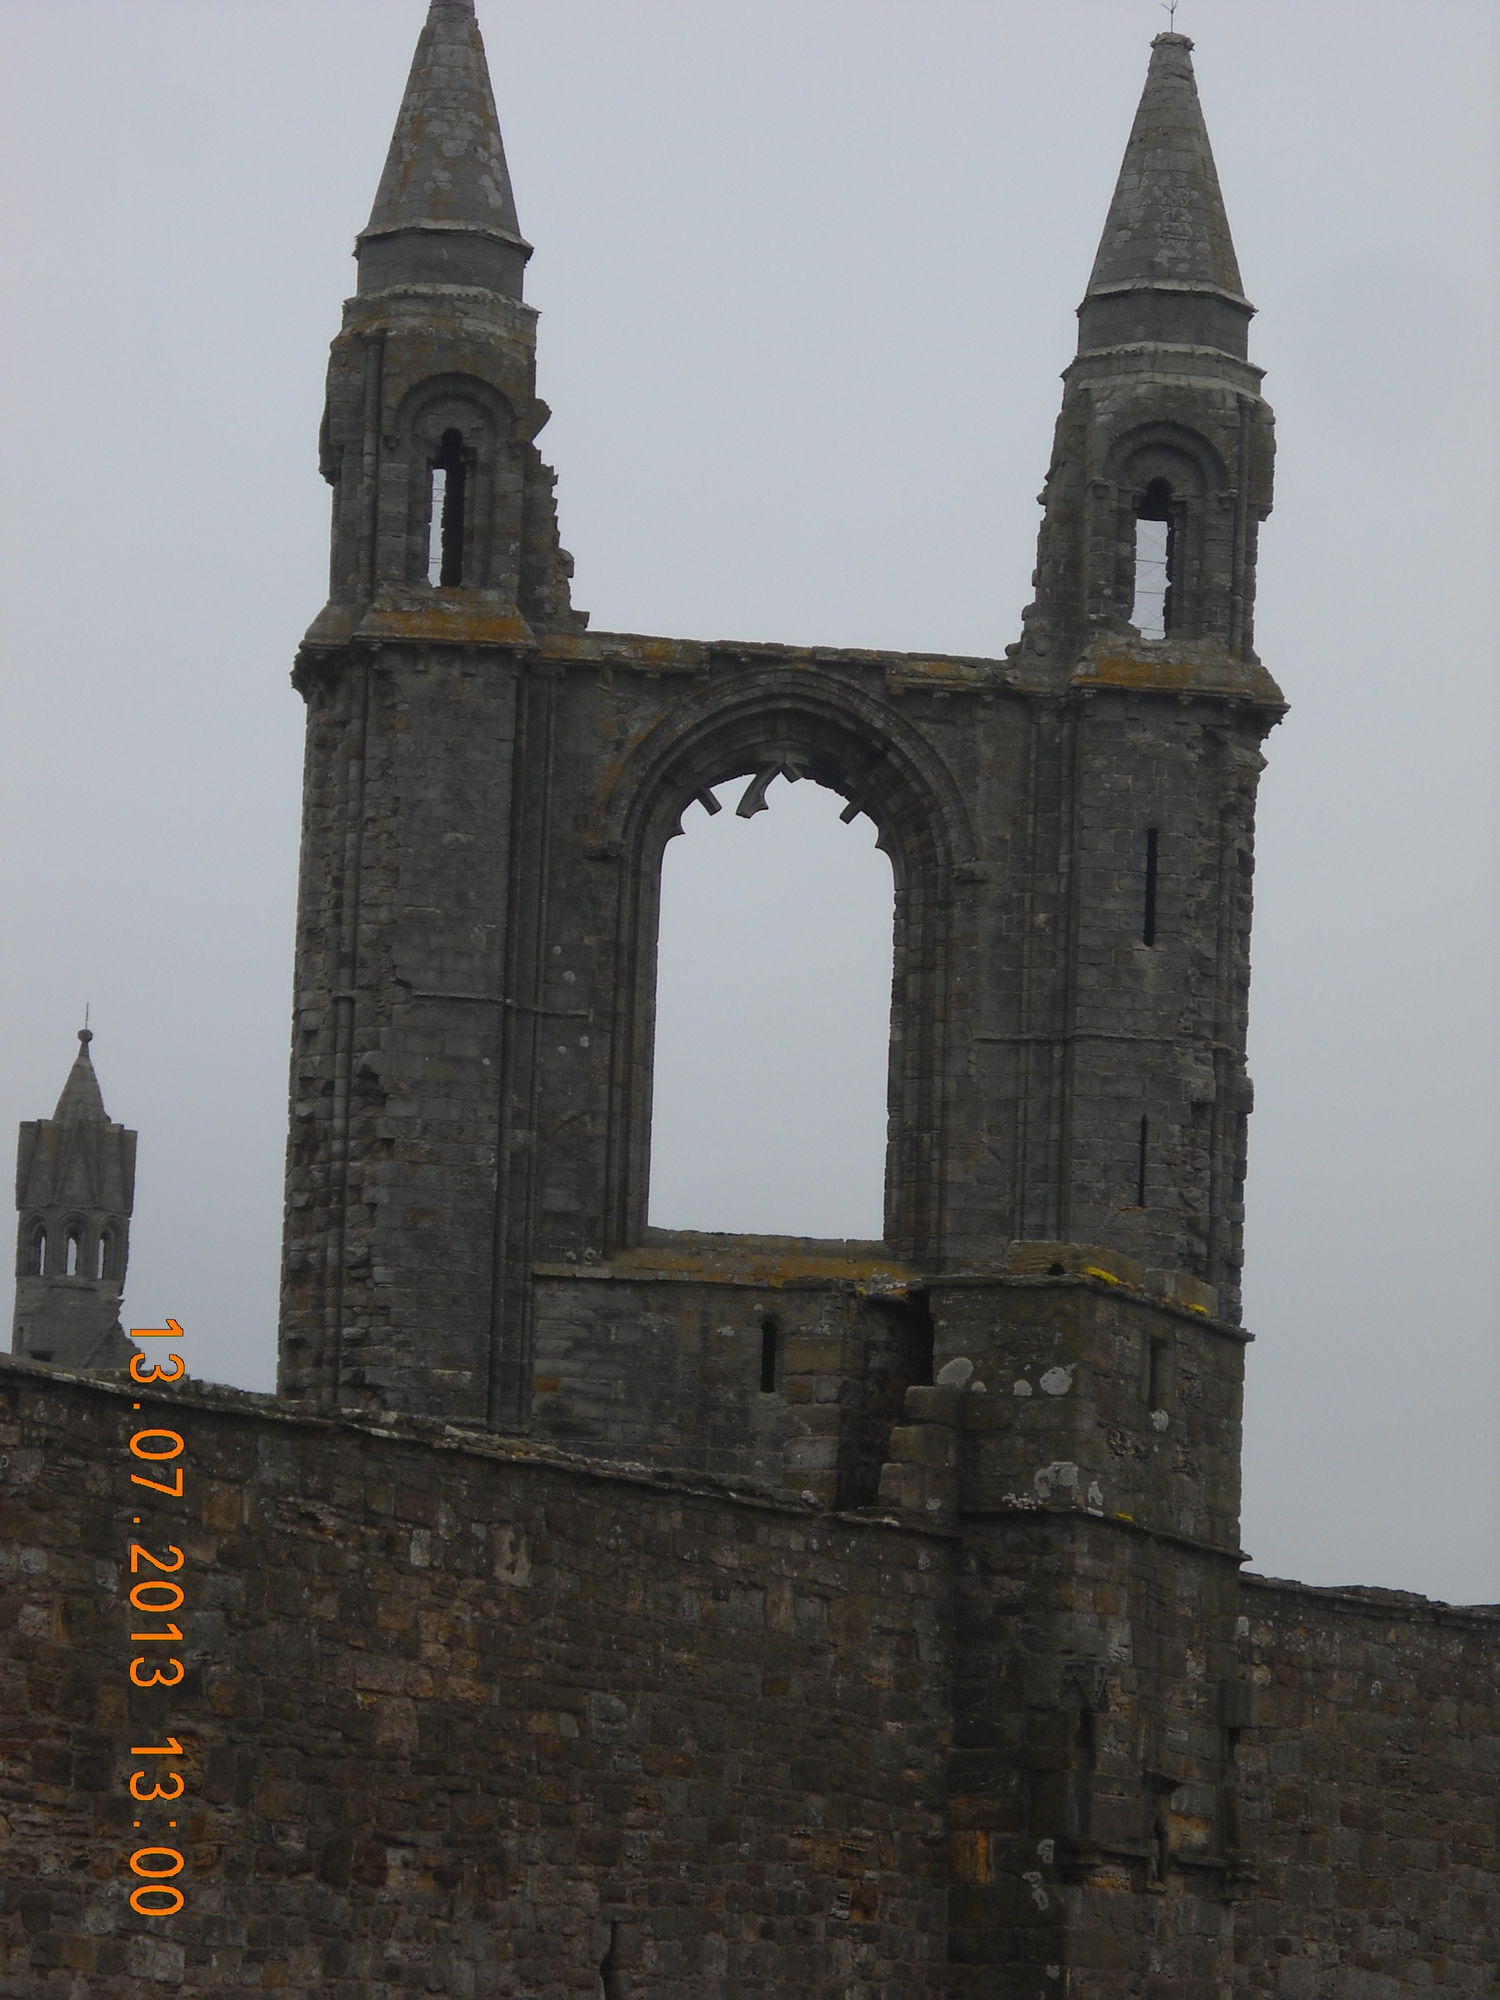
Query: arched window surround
(827, 731)
(110, 1261)
(1166, 471)
(32, 1260)
(435, 414)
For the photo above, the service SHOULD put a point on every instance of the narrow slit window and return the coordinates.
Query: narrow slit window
(1148, 923)
(435, 526)
(1151, 613)
(769, 1350)
(73, 1246)
(445, 530)
(102, 1258)
(39, 1255)
(1140, 1170)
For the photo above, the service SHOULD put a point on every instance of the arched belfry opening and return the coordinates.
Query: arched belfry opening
(445, 535)
(771, 1068)
(1155, 562)
(1181, 535)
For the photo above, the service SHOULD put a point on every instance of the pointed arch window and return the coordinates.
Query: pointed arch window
(34, 1262)
(445, 535)
(73, 1266)
(1155, 554)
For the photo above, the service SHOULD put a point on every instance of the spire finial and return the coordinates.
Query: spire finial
(80, 1101)
(85, 1035)
(1169, 8)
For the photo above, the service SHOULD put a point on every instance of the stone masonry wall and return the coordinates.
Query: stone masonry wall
(1371, 1795)
(481, 1718)
(474, 1037)
(458, 1718)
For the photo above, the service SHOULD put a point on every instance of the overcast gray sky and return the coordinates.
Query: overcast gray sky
(807, 275)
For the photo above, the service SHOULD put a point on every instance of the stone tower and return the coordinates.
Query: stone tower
(75, 1188)
(1041, 1362)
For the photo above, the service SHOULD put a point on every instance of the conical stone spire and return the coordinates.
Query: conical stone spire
(82, 1102)
(1166, 268)
(444, 212)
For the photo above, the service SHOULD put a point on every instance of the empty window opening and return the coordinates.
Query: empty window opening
(1148, 926)
(770, 1354)
(1140, 1168)
(773, 1009)
(73, 1249)
(445, 532)
(101, 1258)
(1155, 537)
(1156, 1377)
(38, 1263)
(899, 1339)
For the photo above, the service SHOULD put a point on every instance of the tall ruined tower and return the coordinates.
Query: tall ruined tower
(1160, 478)
(1040, 1364)
(489, 788)
(75, 1188)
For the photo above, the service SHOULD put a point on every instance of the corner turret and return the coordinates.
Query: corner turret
(1161, 463)
(1142, 632)
(75, 1189)
(444, 525)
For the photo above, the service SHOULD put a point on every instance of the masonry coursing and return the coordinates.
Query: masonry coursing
(481, 1717)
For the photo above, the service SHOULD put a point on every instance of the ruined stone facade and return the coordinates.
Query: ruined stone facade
(607, 1609)
(75, 1190)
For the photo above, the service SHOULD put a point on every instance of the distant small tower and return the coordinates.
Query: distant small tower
(75, 1188)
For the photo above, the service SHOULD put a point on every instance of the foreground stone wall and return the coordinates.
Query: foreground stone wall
(483, 1718)
(1371, 1795)
(461, 1719)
